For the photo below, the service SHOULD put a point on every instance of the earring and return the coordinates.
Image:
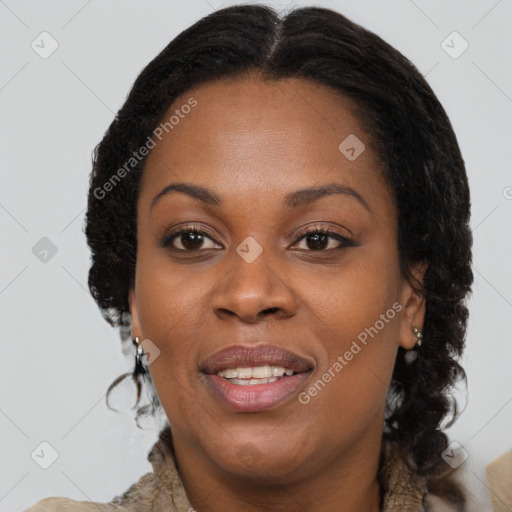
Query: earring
(139, 352)
(418, 335)
(411, 355)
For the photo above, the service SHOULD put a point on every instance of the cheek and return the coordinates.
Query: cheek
(168, 317)
(167, 294)
(353, 298)
(168, 304)
(359, 311)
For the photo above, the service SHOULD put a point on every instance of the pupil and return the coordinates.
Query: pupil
(318, 239)
(192, 240)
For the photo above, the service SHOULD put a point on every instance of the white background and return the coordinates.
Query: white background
(59, 355)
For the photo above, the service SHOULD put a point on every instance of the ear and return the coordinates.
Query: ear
(136, 330)
(414, 307)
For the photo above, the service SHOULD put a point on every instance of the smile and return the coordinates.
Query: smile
(256, 378)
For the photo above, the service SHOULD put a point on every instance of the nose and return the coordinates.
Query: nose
(253, 291)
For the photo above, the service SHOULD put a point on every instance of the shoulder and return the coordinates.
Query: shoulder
(447, 488)
(138, 498)
(443, 497)
(499, 476)
(463, 487)
(67, 505)
(160, 490)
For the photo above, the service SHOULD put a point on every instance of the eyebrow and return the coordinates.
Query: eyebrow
(296, 199)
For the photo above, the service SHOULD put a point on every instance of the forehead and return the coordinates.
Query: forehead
(260, 138)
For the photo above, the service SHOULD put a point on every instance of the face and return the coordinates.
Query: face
(239, 269)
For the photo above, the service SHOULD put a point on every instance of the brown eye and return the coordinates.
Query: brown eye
(190, 239)
(318, 240)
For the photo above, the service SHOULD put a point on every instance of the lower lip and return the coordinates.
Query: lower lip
(257, 397)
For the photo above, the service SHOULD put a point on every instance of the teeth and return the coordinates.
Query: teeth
(255, 372)
(251, 382)
(259, 372)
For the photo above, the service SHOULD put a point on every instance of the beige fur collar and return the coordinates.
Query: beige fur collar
(162, 490)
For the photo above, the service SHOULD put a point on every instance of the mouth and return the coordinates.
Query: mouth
(252, 379)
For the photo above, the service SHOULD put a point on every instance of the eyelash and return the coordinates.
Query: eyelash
(345, 241)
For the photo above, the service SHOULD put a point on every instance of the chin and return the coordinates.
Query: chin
(260, 459)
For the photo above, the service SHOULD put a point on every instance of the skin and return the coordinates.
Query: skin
(252, 142)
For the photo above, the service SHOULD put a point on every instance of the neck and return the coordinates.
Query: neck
(346, 483)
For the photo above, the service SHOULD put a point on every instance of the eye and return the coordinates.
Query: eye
(317, 239)
(190, 238)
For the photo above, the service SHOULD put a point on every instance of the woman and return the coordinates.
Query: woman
(279, 218)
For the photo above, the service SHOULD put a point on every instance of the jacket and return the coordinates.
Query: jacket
(162, 490)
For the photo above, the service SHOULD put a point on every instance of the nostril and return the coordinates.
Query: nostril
(270, 310)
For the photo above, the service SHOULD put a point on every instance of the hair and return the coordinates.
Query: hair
(419, 157)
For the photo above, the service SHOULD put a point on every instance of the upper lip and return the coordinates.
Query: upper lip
(240, 356)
